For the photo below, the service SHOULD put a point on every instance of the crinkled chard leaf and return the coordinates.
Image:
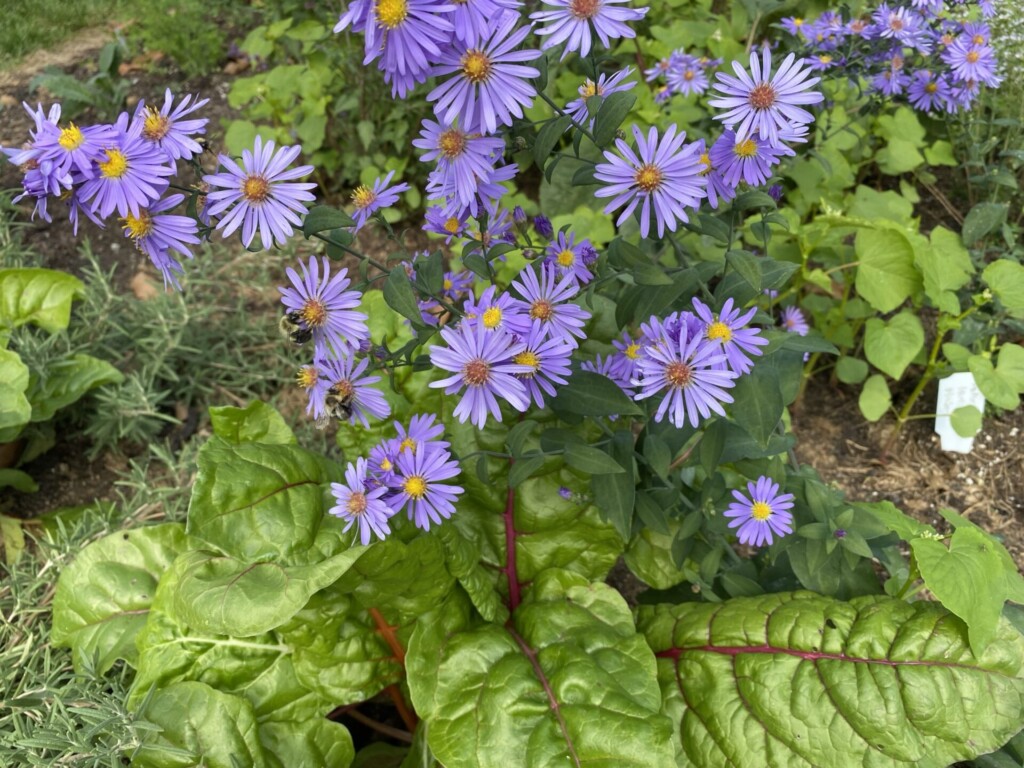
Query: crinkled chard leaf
(39, 296)
(797, 679)
(256, 423)
(103, 598)
(568, 683)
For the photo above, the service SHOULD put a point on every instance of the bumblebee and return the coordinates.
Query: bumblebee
(338, 404)
(293, 328)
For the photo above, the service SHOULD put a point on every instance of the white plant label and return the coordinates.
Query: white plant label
(956, 391)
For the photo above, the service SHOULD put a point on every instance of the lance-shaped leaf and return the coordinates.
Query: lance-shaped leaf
(798, 679)
(264, 503)
(227, 596)
(104, 596)
(568, 683)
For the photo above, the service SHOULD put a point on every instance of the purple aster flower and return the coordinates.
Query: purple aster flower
(764, 513)
(474, 19)
(342, 392)
(548, 360)
(481, 362)
(692, 371)
(420, 487)
(408, 34)
(605, 86)
(457, 284)
(663, 177)
(156, 233)
(902, 24)
(498, 230)
(762, 103)
(750, 159)
(423, 433)
(489, 87)
(718, 190)
(441, 222)
(75, 208)
(462, 158)
(307, 378)
(660, 68)
(131, 173)
(488, 192)
(687, 76)
(73, 148)
(261, 196)
(542, 224)
(382, 462)
(519, 215)
(928, 91)
(166, 127)
(369, 200)
(793, 321)
(623, 364)
(494, 311)
(972, 62)
(794, 25)
(606, 367)
(357, 502)
(566, 256)
(890, 82)
(546, 299)
(324, 310)
(729, 328)
(571, 23)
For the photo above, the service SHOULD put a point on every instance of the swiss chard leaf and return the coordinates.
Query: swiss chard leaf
(798, 679)
(256, 423)
(39, 296)
(66, 381)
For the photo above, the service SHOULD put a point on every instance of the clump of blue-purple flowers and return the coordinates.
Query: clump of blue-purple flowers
(930, 52)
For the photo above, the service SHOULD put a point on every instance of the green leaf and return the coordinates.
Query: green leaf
(591, 394)
(261, 502)
(463, 560)
(851, 370)
(1011, 365)
(998, 388)
(613, 111)
(970, 579)
(258, 422)
(199, 725)
(12, 535)
(15, 409)
(886, 276)
(400, 297)
(104, 596)
(547, 137)
(903, 525)
(874, 398)
(982, 219)
(747, 266)
(1005, 279)
(66, 381)
(590, 460)
(946, 267)
(615, 492)
(39, 296)
(966, 420)
(18, 480)
(322, 218)
(222, 595)
(891, 345)
(940, 153)
(761, 398)
(649, 557)
(524, 468)
(569, 682)
(798, 679)
(899, 156)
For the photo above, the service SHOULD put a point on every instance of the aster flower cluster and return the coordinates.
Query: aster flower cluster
(662, 177)
(691, 359)
(919, 50)
(410, 471)
(680, 73)
(121, 168)
(511, 347)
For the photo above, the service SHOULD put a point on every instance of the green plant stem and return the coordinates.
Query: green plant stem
(913, 576)
(578, 126)
(353, 252)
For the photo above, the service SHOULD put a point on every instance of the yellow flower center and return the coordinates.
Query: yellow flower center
(566, 258)
(648, 177)
(452, 143)
(452, 225)
(678, 374)
(476, 66)
(762, 97)
(71, 138)
(588, 89)
(632, 351)
(760, 511)
(138, 226)
(719, 331)
(931, 87)
(477, 372)
(584, 9)
(386, 464)
(973, 57)
(407, 444)
(307, 376)
(825, 59)
(343, 389)
(798, 22)
(527, 358)
(705, 160)
(314, 313)
(356, 503)
(415, 486)
(491, 318)
(156, 125)
(978, 39)
(746, 148)
(689, 74)
(255, 188)
(363, 197)
(447, 284)
(116, 164)
(541, 310)
(391, 13)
